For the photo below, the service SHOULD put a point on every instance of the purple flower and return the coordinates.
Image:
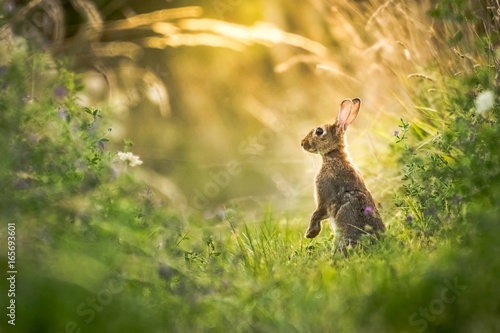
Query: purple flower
(100, 146)
(395, 133)
(9, 6)
(409, 218)
(63, 114)
(60, 91)
(368, 210)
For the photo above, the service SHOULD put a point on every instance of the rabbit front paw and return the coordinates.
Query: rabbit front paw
(313, 230)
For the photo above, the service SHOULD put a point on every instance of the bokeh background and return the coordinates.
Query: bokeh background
(241, 82)
(206, 235)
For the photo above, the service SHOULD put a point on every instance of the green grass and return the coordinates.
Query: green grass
(97, 251)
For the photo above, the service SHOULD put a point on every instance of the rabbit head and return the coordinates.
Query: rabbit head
(328, 137)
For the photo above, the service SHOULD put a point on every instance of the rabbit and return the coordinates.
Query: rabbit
(340, 192)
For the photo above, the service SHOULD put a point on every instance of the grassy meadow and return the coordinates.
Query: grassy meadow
(152, 171)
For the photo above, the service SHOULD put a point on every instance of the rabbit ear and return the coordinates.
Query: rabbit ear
(348, 112)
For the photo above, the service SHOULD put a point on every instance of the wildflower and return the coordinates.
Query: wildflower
(63, 114)
(100, 145)
(395, 133)
(409, 218)
(368, 210)
(60, 91)
(129, 158)
(9, 6)
(485, 101)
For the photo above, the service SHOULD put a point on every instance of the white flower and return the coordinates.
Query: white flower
(485, 101)
(129, 158)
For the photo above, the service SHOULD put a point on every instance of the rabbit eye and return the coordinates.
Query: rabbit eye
(319, 131)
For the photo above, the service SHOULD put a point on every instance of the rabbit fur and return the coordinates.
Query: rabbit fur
(340, 192)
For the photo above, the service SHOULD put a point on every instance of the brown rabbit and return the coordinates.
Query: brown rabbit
(341, 193)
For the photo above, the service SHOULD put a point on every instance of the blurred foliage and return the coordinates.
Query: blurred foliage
(213, 85)
(103, 246)
(79, 214)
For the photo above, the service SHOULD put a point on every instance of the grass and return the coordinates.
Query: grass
(99, 251)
